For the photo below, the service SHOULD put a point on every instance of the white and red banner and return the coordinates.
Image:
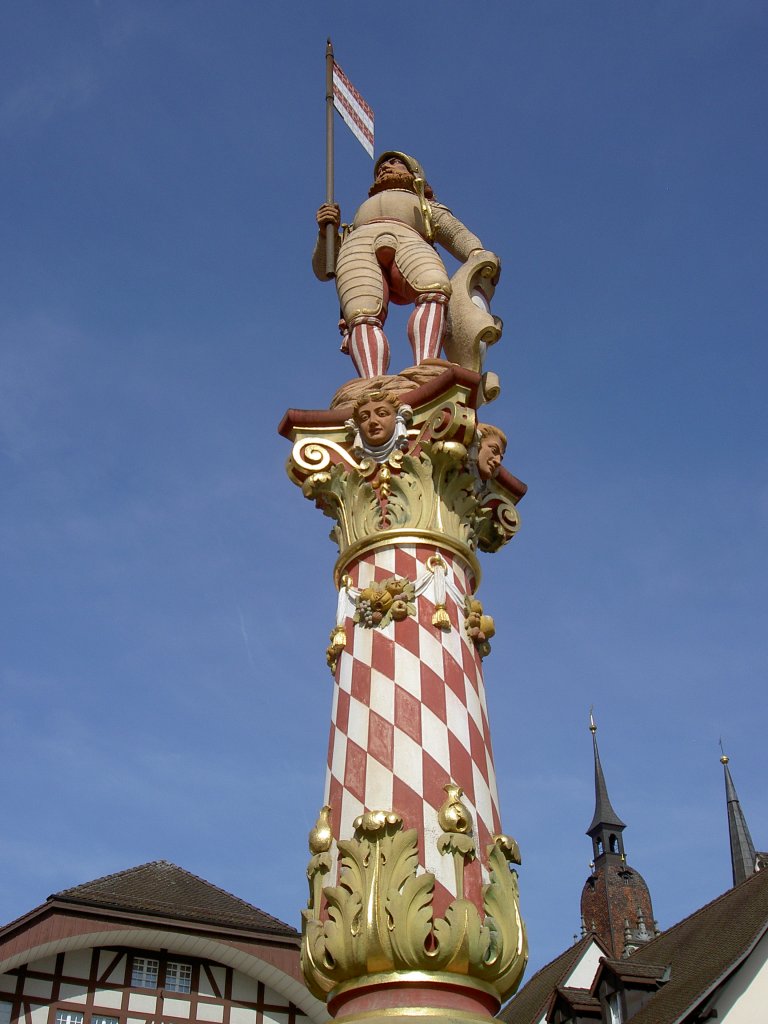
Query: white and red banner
(356, 113)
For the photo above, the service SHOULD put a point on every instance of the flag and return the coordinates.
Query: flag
(353, 109)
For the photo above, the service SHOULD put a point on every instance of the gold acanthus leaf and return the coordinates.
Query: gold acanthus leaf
(380, 916)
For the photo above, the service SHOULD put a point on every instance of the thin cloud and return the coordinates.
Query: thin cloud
(46, 95)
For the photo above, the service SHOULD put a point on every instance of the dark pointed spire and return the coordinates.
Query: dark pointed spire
(604, 813)
(615, 897)
(742, 847)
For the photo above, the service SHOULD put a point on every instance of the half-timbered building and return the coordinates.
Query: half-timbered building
(151, 945)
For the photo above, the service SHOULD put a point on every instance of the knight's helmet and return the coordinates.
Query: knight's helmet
(419, 181)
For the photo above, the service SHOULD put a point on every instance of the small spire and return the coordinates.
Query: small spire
(604, 812)
(742, 847)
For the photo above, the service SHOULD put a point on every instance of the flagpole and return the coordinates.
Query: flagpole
(330, 231)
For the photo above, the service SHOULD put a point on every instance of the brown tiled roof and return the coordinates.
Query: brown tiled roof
(166, 890)
(531, 1001)
(704, 949)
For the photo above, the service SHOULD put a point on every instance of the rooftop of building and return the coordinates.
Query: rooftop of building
(160, 888)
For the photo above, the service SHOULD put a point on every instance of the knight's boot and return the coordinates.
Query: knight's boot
(426, 326)
(368, 347)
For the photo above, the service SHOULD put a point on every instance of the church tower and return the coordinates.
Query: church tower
(742, 848)
(615, 901)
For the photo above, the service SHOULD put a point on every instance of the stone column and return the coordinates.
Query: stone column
(412, 900)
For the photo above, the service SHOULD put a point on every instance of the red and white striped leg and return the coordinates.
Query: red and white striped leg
(426, 326)
(369, 348)
(409, 715)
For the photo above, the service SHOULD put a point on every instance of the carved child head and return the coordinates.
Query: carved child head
(375, 416)
(379, 423)
(491, 448)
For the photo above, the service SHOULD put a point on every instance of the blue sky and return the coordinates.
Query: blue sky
(166, 593)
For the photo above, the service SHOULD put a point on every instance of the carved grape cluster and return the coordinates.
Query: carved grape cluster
(381, 603)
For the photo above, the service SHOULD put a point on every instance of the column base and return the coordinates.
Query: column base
(410, 996)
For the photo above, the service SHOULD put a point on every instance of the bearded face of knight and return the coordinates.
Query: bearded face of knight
(392, 173)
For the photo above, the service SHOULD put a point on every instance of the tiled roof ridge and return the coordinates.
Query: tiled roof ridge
(641, 950)
(85, 895)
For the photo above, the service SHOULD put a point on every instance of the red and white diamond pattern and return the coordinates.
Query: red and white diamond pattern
(409, 715)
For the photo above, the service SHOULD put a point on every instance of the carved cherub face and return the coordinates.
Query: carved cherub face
(493, 444)
(375, 419)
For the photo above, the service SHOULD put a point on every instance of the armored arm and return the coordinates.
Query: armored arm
(457, 239)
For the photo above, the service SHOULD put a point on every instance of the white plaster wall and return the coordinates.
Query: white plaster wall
(71, 993)
(744, 997)
(109, 998)
(117, 974)
(585, 969)
(219, 975)
(244, 988)
(36, 987)
(176, 1007)
(211, 1012)
(77, 963)
(46, 965)
(39, 1015)
(242, 1015)
(142, 1003)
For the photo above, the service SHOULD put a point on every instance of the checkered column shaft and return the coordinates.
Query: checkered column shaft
(409, 715)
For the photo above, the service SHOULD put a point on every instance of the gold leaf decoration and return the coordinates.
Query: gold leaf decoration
(380, 918)
(427, 491)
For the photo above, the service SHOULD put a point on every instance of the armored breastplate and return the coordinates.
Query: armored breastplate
(392, 204)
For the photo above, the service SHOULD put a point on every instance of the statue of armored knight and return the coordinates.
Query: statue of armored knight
(410, 826)
(388, 255)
